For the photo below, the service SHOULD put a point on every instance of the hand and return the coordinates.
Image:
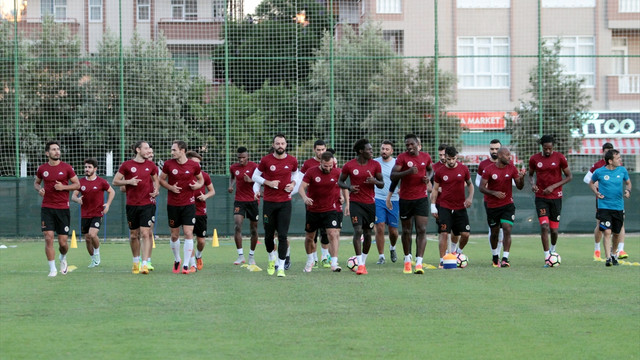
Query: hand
(78, 200)
(134, 181)
(308, 201)
(289, 187)
(499, 194)
(627, 194)
(154, 193)
(202, 197)
(41, 191)
(389, 204)
(548, 190)
(534, 188)
(230, 190)
(256, 196)
(194, 185)
(247, 178)
(354, 188)
(467, 203)
(175, 188)
(346, 211)
(272, 184)
(599, 195)
(370, 179)
(413, 170)
(58, 186)
(105, 209)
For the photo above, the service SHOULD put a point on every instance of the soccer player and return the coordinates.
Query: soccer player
(200, 228)
(277, 171)
(451, 239)
(140, 176)
(449, 183)
(320, 192)
(91, 198)
(54, 213)
(386, 213)
(597, 233)
(319, 147)
(363, 173)
(548, 166)
(494, 146)
(413, 168)
(498, 201)
(182, 177)
(245, 203)
(611, 180)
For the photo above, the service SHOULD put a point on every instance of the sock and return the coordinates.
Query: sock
(96, 251)
(505, 254)
(620, 246)
(192, 262)
(418, 260)
(63, 257)
(281, 264)
(188, 250)
(136, 259)
(454, 247)
(52, 265)
(359, 257)
(175, 247)
(407, 258)
(614, 255)
(288, 251)
(441, 260)
(144, 262)
(251, 253)
(495, 252)
(148, 260)
(334, 261)
(552, 248)
(597, 247)
(198, 253)
(315, 256)
(392, 247)
(325, 253)
(381, 256)
(546, 254)
(240, 252)
(364, 258)
(310, 259)
(272, 256)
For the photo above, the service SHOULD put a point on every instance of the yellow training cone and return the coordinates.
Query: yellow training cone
(214, 242)
(74, 241)
(153, 239)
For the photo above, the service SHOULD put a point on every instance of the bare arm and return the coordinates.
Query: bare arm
(111, 194)
(469, 200)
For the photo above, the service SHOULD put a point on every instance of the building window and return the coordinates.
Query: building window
(620, 50)
(389, 6)
(144, 10)
(184, 9)
(568, 3)
(349, 12)
(483, 4)
(577, 56)
(219, 9)
(56, 8)
(187, 62)
(395, 39)
(95, 10)
(483, 63)
(628, 6)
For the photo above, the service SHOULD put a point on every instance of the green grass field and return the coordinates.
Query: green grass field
(580, 310)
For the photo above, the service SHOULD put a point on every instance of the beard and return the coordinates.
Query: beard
(280, 151)
(494, 156)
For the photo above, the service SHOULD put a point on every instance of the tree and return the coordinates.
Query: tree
(376, 94)
(564, 106)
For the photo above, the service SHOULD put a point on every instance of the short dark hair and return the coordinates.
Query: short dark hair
(92, 161)
(359, 145)
(193, 154)
(546, 139)
(607, 146)
(47, 147)
(181, 144)
(610, 154)
(411, 136)
(277, 136)
(242, 149)
(319, 143)
(136, 145)
(388, 142)
(332, 151)
(326, 156)
(450, 151)
(495, 141)
(443, 147)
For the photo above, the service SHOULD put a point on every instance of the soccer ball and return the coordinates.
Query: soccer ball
(462, 260)
(352, 263)
(553, 259)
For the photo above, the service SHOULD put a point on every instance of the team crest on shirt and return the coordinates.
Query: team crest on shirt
(606, 177)
(539, 164)
(133, 169)
(174, 171)
(410, 164)
(83, 188)
(317, 179)
(445, 178)
(46, 174)
(494, 176)
(356, 172)
(146, 169)
(237, 172)
(66, 228)
(272, 168)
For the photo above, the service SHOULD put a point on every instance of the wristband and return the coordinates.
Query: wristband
(434, 209)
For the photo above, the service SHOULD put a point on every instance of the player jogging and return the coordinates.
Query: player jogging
(54, 212)
(386, 213)
(90, 196)
(200, 228)
(494, 146)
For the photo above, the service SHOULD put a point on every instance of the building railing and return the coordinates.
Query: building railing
(629, 84)
(628, 6)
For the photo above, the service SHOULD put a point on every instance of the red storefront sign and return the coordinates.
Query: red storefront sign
(493, 120)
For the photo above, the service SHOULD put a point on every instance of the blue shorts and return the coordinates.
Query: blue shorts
(386, 216)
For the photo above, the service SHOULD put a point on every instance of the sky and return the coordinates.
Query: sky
(250, 6)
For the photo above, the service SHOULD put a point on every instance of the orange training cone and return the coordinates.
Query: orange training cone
(74, 241)
(214, 242)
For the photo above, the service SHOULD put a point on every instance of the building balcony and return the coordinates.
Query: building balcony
(623, 14)
(206, 32)
(31, 28)
(624, 87)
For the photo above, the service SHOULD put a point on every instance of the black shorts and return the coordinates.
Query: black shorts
(611, 219)
(141, 216)
(276, 216)
(362, 214)
(417, 207)
(322, 220)
(550, 208)
(200, 228)
(247, 209)
(87, 223)
(496, 216)
(456, 221)
(57, 220)
(322, 233)
(181, 215)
